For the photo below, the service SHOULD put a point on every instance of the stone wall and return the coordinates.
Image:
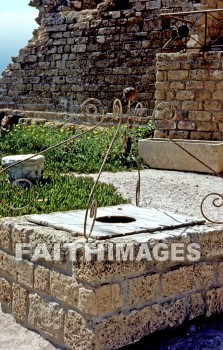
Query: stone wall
(104, 305)
(192, 84)
(82, 51)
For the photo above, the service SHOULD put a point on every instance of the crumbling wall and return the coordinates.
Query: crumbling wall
(79, 53)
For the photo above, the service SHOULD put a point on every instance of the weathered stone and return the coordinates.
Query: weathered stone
(5, 292)
(42, 279)
(77, 332)
(30, 170)
(214, 301)
(64, 288)
(25, 273)
(19, 302)
(184, 279)
(46, 316)
(143, 289)
(101, 300)
(197, 306)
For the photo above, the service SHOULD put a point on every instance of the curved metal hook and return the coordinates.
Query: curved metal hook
(217, 203)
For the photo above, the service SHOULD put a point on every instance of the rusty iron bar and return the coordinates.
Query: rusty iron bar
(92, 204)
(189, 12)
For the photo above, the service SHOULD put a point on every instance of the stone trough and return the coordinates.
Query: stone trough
(111, 291)
(164, 154)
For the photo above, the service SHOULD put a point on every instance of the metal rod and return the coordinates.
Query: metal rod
(180, 19)
(189, 12)
(205, 31)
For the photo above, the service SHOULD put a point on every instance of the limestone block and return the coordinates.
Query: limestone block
(214, 301)
(211, 85)
(5, 237)
(186, 125)
(25, 273)
(9, 266)
(206, 126)
(46, 316)
(19, 302)
(203, 95)
(30, 170)
(64, 288)
(211, 244)
(78, 333)
(212, 105)
(99, 301)
(195, 85)
(104, 272)
(197, 306)
(164, 154)
(122, 329)
(199, 74)
(5, 292)
(190, 105)
(143, 289)
(185, 279)
(198, 135)
(202, 116)
(42, 279)
(220, 272)
(180, 75)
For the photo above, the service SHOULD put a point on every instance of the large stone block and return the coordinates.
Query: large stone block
(25, 273)
(214, 301)
(46, 316)
(5, 292)
(164, 154)
(19, 303)
(187, 279)
(42, 279)
(64, 288)
(144, 289)
(78, 334)
(197, 306)
(101, 300)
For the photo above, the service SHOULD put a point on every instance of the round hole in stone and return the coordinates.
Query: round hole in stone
(115, 219)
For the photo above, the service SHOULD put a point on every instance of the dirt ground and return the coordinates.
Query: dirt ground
(172, 191)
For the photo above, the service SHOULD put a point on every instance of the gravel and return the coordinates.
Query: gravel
(174, 191)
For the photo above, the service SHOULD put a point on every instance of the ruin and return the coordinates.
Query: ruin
(87, 49)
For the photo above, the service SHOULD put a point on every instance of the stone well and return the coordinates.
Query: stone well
(104, 304)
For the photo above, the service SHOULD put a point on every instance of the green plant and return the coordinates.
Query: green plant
(55, 193)
(82, 155)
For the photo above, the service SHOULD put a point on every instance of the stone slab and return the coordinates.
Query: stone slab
(31, 169)
(145, 220)
(164, 154)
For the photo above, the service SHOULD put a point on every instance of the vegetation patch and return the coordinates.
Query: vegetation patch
(83, 155)
(57, 191)
(54, 193)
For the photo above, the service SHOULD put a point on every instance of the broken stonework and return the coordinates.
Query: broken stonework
(87, 49)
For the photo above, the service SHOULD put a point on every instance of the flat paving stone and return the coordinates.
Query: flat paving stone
(143, 220)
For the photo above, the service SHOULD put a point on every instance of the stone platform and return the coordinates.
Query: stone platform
(109, 301)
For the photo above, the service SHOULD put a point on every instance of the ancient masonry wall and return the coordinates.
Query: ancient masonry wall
(191, 84)
(87, 49)
(106, 305)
